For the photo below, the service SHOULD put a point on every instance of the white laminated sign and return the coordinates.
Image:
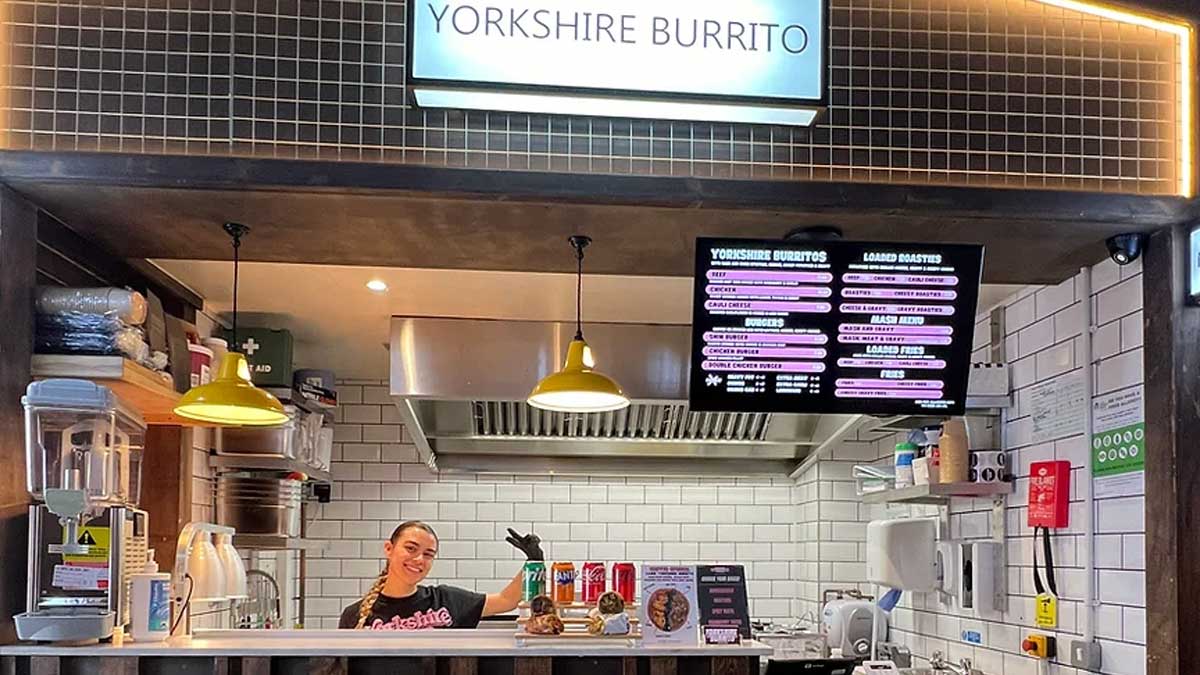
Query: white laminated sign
(670, 612)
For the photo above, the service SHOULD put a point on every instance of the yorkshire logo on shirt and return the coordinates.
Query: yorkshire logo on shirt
(431, 618)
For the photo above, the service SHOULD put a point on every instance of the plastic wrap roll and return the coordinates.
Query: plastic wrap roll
(76, 333)
(129, 306)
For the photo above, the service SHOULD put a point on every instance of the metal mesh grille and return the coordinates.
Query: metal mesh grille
(1010, 93)
(638, 421)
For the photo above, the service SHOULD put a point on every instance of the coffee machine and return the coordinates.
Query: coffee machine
(86, 535)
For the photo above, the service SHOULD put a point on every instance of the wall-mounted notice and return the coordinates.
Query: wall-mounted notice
(1057, 407)
(832, 327)
(1119, 443)
(722, 593)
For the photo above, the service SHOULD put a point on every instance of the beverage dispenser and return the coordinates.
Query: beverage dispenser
(83, 457)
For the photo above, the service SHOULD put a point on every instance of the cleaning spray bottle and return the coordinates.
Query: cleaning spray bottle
(150, 606)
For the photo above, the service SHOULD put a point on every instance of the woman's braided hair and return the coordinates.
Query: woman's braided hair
(368, 602)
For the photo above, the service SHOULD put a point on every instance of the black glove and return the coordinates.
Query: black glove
(529, 544)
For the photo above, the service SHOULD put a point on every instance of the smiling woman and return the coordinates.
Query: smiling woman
(396, 601)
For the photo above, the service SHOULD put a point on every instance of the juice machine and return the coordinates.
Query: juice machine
(83, 451)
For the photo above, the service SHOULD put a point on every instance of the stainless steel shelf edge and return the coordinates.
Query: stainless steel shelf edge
(288, 395)
(937, 493)
(268, 463)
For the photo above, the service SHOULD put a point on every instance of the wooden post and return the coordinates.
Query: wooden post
(1172, 367)
(18, 278)
(167, 489)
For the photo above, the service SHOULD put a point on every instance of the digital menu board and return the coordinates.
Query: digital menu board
(832, 326)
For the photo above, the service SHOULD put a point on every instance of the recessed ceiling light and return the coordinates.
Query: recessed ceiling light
(377, 285)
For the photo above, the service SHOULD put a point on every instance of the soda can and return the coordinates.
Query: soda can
(535, 580)
(564, 582)
(592, 580)
(625, 581)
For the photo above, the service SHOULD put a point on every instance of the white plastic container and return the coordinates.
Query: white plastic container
(235, 569)
(150, 608)
(920, 470)
(217, 346)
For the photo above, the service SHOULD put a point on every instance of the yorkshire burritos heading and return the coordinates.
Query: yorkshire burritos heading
(771, 49)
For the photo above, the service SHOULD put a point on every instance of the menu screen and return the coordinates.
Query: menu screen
(832, 326)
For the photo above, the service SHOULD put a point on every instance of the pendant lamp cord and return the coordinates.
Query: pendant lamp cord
(579, 242)
(236, 231)
(237, 244)
(578, 292)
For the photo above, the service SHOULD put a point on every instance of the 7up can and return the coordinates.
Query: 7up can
(535, 580)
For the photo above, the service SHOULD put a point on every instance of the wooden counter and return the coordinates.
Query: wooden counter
(435, 652)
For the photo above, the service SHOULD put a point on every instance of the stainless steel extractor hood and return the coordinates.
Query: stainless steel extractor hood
(460, 385)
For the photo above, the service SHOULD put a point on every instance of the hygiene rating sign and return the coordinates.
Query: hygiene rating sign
(1119, 443)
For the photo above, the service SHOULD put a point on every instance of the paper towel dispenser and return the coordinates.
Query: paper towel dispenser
(900, 554)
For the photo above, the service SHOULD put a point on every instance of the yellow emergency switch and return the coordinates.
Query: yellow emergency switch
(1038, 646)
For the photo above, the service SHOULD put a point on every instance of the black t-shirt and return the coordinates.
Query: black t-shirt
(429, 607)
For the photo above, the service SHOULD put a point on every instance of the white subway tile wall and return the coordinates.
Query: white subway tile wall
(826, 508)
(664, 520)
(798, 539)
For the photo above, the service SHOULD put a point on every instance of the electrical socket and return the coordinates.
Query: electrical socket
(1085, 655)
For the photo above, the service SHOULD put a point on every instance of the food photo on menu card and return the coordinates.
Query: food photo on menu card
(670, 612)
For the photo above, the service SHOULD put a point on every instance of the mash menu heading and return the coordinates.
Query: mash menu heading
(772, 49)
(845, 327)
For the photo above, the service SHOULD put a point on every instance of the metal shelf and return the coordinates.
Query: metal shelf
(290, 396)
(937, 493)
(976, 406)
(271, 542)
(268, 463)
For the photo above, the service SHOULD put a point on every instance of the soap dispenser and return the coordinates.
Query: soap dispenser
(150, 608)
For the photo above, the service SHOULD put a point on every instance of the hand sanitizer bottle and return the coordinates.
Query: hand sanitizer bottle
(150, 606)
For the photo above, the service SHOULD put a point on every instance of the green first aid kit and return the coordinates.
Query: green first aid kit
(269, 353)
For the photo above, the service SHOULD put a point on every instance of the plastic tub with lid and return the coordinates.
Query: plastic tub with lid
(201, 365)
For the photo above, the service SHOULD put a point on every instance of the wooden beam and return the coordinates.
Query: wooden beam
(18, 276)
(1172, 366)
(215, 173)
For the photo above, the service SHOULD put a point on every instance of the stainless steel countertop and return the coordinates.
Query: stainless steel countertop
(478, 642)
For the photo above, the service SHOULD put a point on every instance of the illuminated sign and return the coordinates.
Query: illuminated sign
(832, 326)
(761, 61)
(1193, 266)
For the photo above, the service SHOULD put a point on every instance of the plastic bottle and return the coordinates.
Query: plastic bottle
(150, 607)
(905, 453)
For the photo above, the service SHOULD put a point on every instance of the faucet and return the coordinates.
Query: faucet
(963, 667)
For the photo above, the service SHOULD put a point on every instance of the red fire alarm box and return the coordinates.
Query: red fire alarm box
(1049, 494)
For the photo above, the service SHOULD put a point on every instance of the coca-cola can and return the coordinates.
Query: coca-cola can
(592, 581)
(625, 580)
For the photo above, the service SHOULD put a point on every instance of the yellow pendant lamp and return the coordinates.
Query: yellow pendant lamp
(232, 399)
(577, 388)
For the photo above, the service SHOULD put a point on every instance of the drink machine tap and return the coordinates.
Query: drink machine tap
(83, 450)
